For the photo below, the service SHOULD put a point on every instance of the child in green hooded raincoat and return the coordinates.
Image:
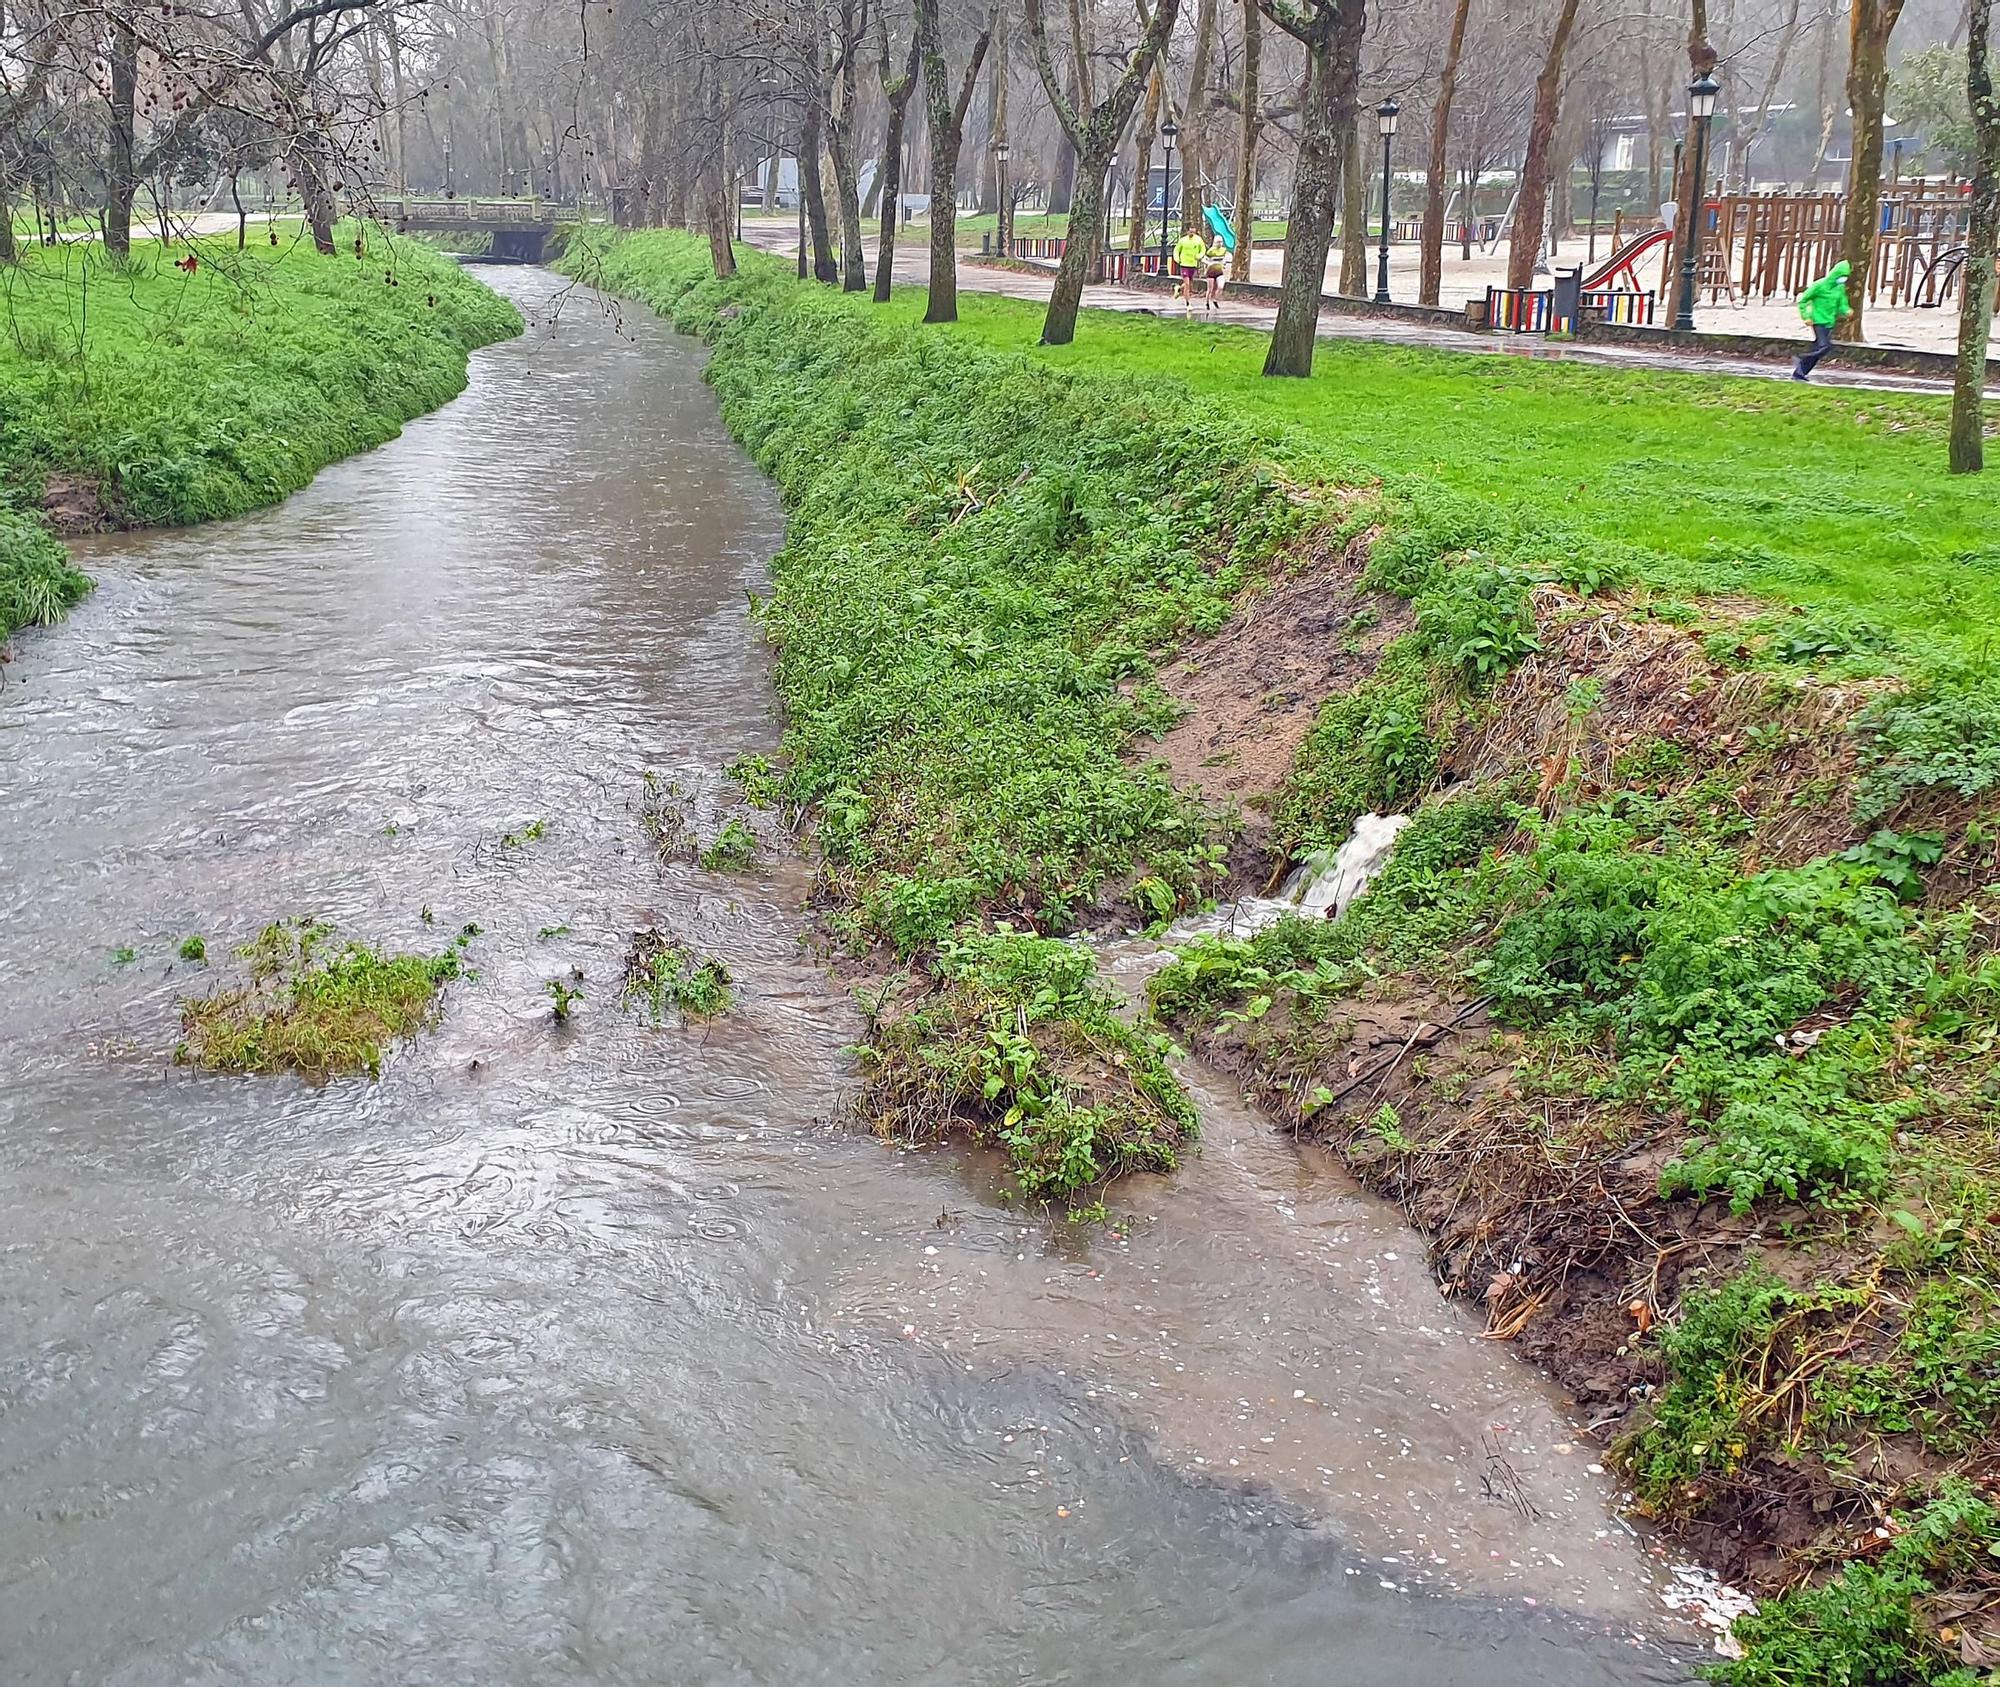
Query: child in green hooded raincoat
(1820, 306)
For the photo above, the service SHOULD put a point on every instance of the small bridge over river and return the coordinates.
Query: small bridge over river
(520, 227)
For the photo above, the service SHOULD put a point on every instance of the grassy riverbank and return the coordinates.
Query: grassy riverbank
(158, 394)
(1674, 1024)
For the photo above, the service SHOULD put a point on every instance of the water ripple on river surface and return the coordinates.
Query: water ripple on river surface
(576, 1354)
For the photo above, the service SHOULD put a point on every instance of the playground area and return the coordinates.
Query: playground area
(1758, 252)
(1912, 328)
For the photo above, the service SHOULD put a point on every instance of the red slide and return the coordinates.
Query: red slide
(1625, 259)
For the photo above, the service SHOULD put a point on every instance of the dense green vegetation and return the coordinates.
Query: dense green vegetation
(1022, 1040)
(1728, 921)
(164, 394)
(314, 1008)
(982, 558)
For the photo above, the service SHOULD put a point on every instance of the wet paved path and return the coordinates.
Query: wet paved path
(913, 269)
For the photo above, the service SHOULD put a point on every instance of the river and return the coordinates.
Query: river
(592, 1353)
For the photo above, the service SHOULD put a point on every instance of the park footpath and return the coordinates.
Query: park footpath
(1341, 322)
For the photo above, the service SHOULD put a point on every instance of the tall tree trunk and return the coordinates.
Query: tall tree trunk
(1194, 122)
(9, 253)
(121, 177)
(1332, 41)
(1142, 160)
(1656, 119)
(1976, 279)
(814, 192)
(840, 146)
(1080, 255)
(1353, 213)
(1063, 188)
(399, 91)
(897, 90)
(1431, 282)
(1531, 208)
(1246, 144)
(1003, 180)
(315, 174)
(891, 214)
(1094, 131)
(720, 216)
(1870, 25)
(947, 131)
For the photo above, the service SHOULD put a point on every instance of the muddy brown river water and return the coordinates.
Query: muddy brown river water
(588, 1353)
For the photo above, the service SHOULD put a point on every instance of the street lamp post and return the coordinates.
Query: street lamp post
(1168, 130)
(1386, 114)
(448, 192)
(1701, 107)
(1004, 228)
(549, 169)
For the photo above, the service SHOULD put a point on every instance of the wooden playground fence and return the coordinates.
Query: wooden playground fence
(1767, 245)
(1118, 263)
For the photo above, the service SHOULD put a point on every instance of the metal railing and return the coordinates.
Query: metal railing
(476, 213)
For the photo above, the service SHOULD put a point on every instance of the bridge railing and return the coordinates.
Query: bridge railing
(475, 213)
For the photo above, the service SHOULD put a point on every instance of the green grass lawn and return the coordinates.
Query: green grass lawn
(1716, 483)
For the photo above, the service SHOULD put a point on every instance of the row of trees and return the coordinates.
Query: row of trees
(665, 106)
(1108, 72)
(102, 99)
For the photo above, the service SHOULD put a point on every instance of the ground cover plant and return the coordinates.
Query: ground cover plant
(199, 381)
(315, 1007)
(661, 973)
(1022, 1038)
(1673, 1021)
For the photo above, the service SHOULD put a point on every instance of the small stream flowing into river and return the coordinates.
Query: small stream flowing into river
(589, 1354)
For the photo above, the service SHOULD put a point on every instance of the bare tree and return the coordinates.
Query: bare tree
(897, 87)
(1093, 132)
(850, 22)
(1531, 209)
(1701, 60)
(1871, 23)
(1142, 148)
(947, 131)
(1430, 281)
(1195, 150)
(37, 36)
(812, 111)
(281, 64)
(1353, 282)
(1246, 145)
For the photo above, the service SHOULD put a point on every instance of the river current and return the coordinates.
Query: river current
(594, 1353)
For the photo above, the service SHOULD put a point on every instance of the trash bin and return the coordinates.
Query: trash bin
(1568, 301)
